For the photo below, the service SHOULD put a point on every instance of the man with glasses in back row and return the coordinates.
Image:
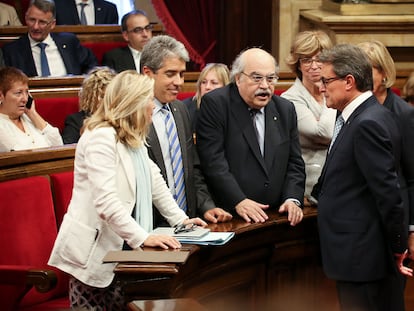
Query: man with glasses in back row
(137, 31)
(248, 143)
(42, 53)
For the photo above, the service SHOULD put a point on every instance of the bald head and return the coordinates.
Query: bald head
(255, 73)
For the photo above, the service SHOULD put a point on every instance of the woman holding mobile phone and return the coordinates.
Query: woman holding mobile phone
(21, 126)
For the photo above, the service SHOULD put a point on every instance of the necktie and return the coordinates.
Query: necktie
(338, 125)
(44, 65)
(253, 114)
(176, 159)
(82, 14)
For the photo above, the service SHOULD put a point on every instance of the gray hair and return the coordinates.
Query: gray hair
(348, 59)
(45, 6)
(239, 64)
(160, 48)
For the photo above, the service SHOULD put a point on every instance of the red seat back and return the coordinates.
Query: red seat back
(55, 110)
(100, 48)
(62, 185)
(28, 231)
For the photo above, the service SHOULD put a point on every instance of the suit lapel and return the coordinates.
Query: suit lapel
(242, 116)
(179, 123)
(272, 132)
(155, 150)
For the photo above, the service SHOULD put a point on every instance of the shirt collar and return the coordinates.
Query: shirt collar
(350, 108)
(48, 40)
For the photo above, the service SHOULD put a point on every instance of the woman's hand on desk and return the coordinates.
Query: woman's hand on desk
(163, 241)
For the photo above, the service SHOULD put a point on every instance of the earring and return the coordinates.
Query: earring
(384, 81)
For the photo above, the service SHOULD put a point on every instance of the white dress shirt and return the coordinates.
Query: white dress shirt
(89, 11)
(56, 64)
(136, 55)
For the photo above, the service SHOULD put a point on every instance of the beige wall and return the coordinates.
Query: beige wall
(146, 5)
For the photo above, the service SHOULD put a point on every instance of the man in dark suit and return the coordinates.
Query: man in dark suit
(248, 142)
(164, 59)
(137, 31)
(360, 208)
(65, 55)
(68, 12)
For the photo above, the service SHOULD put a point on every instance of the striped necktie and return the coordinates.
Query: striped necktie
(338, 125)
(176, 159)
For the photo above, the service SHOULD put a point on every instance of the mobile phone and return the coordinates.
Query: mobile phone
(29, 102)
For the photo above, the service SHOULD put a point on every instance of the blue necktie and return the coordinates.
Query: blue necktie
(338, 125)
(82, 14)
(44, 65)
(176, 159)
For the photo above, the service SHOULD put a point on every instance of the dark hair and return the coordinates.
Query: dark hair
(348, 59)
(9, 76)
(124, 19)
(45, 6)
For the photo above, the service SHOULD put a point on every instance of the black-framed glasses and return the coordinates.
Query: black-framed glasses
(139, 30)
(258, 78)
(42, 23)
(326, 81)
(185, 228)
(308, 61)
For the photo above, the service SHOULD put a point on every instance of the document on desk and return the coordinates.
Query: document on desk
(175, 256)
(193, 234)
(208, 238)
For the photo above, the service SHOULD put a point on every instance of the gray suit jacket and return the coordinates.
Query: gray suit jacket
(197, 194)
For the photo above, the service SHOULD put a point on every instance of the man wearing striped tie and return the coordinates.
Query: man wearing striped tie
(170, 140)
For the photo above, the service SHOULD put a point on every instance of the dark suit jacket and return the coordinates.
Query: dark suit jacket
(405, 118)
(77, 58)
(191, 105)
(197, 194)
(73, 125)
(67, 13)
(119, 59)
(360, 209)
(230, 155)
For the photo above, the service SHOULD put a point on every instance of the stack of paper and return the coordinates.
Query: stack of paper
(200, 236)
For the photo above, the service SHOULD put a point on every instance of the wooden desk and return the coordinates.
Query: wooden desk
(41, 161)
(263, 266)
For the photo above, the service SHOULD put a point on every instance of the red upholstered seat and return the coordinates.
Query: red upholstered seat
(100, 48)
(54, 110)
(62, 185)
(184, 95)
(28, 232)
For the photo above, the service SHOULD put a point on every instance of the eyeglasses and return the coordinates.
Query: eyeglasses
(308, 61)
(326, 81)
(140, 30)
(42, 23)
(256, 78)
(185, 228)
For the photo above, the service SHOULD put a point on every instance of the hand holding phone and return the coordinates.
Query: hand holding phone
(29, 102)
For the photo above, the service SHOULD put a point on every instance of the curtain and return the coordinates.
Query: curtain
(193, 22)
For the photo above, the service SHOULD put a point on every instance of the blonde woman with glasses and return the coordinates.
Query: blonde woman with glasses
(315, 120)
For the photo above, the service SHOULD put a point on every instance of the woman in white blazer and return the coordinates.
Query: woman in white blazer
(115, 185)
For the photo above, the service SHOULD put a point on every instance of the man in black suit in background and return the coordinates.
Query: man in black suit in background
(68, 12)
(137, 31)
(360, 209)
(248, 143)
(164, 59)
(65, 55)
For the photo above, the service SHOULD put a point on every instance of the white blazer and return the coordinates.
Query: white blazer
(99, 218)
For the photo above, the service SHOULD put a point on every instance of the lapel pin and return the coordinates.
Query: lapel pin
(64, 46)
(274, 118)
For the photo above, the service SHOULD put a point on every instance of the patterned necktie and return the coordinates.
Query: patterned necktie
(82, 14)
(338, 125)
(176, 159)
(44, 65)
